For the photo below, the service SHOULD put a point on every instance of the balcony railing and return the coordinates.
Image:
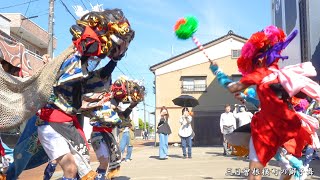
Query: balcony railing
(194, 88)
(38, 57)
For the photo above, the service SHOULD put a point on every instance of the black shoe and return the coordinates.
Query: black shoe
(189, 157)
(184, 157)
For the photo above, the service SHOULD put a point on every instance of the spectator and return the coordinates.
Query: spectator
(164, 131)
(126, 135)
(146, 134)
(185, 132)
(243, 116)
(142, 134)
(227, 125)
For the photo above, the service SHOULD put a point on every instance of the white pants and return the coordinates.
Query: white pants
(53, 143)
(99, 146)
(252, 152)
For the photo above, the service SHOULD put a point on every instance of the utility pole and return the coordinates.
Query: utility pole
(155, 130)
(50, 28)
(144, 109)
(144, 114)
(149, 122)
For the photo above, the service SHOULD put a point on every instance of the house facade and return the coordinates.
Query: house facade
(23, 42)
(189, 73)
(30, 34)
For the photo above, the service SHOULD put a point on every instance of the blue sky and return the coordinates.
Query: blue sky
(153, 22)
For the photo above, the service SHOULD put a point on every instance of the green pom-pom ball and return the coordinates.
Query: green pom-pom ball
(186, 27)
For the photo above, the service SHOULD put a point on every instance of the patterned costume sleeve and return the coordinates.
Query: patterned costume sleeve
(223, 79)
(108, 69)
(71, 71)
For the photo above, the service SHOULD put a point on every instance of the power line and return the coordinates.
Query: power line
(37, 13)
(121, 71)
(134, 73)
(18, 4)
(74, 1)
(150, 105)
(141, 74)
(127, 70)
(84, 4)
(30, 17)
(89, 1)
(41, 14)
(68, 9)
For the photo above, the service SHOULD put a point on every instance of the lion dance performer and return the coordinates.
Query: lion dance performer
(96, 35)
(102, 108)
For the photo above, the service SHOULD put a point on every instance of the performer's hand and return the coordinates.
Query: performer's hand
(239, 97)
(133, 104)
(113, 107)
(213, 63)
(46, 58)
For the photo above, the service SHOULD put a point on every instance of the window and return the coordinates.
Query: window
(235, 53)
(27, 46)
(38, 52)
(194, 84)
(291, 15)
(278, 13)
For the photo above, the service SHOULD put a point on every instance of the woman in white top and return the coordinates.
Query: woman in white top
(185, 132)
(243, 116)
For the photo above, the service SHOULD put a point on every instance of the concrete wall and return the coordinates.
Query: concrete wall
(4, 25)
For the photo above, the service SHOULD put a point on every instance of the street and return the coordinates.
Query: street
(207, 163)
